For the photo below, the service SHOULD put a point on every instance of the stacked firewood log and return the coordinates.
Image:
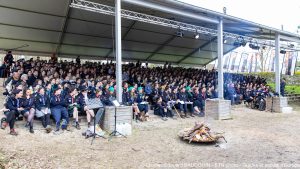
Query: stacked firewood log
(200, 133)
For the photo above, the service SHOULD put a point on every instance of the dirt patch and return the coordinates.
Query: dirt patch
(254, 138)
(3, 160)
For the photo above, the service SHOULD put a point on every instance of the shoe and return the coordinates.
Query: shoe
(31, 130)
(56, 132)
(164, 118)
(13, 132)
(26, 125)
(3, 125)
(89, 124)
(201, 114)
(78, 126)
(187, 116)
(48, 129)
(182, 115)
(192, 115)
(68, 128)
(74, 124)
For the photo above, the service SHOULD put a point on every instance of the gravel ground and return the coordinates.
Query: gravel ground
(255, 140)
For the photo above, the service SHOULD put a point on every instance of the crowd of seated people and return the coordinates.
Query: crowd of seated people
(240, 88)
(60, 89)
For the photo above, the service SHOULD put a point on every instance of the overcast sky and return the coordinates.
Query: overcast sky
(272, 13)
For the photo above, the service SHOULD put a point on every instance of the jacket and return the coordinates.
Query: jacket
(57, 101)
(42, 101)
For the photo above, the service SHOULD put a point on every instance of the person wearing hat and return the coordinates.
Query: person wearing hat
(42, 106)
(59, 110)
(13, 104)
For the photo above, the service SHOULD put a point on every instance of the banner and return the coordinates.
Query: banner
(233, 60)
(293, 63)
(225, 61)
(252, 63)
(244, 57)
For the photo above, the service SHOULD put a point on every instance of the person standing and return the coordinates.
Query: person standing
(78, 60)
(282, 87)
(8, 59)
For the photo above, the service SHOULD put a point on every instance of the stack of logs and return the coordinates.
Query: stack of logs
(200, 133)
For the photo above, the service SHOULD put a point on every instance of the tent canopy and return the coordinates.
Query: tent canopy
(52, 26)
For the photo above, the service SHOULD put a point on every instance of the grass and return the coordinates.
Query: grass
(290, 89)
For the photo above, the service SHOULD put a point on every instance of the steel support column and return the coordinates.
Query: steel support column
(277, 65)
(220, 60)
(118, 41)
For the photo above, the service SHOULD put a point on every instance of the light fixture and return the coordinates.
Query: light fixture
(196, 36)
(255, 47)
(282, 51)
(291, 45)
(243, 43)
(179, 33)
(239, 42)
(224, 39)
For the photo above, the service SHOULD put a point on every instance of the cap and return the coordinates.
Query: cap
(111, 89)
(57, 88)
(16, 91)
(82, 88)
(130, 88)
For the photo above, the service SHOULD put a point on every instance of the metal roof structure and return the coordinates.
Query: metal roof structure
(51, 26)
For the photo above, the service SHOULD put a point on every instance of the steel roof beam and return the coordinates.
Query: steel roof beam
(197, 49)
(161, 47)
(123, 37)
(64, 28)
